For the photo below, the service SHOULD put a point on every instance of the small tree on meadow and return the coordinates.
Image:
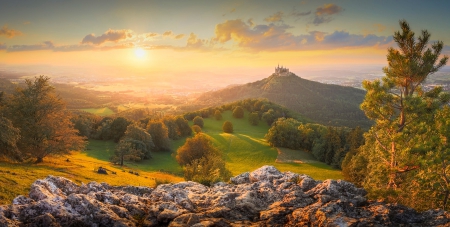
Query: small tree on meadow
(238, 112)
(218, 115)
(227, 127)
(198, 121)
(196, 129)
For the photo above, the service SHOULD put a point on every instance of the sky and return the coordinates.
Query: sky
(238, 40)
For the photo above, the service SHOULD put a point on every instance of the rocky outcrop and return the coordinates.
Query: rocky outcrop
(264, 197)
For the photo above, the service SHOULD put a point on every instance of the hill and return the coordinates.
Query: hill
(323, 103)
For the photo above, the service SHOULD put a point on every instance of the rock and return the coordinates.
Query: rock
(102, 171)
(264, 197)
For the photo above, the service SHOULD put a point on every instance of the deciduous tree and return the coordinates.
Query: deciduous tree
(44, 124)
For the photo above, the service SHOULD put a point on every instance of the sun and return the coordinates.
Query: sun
(139, 52)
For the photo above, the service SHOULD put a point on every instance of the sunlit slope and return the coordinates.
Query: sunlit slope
(16, 179)
(323, 103)
(246, 149)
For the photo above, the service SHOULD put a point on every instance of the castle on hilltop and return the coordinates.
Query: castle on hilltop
(281, 71)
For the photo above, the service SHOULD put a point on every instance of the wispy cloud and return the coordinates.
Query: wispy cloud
(276, 37)
(179, 36)
(47, 45)
(167, 33)
(323, 13)
(5, 31)
(2, 46)
(108, 36)
(276, 17)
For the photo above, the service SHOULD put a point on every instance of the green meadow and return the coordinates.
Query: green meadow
(244, 150)
(105, 111)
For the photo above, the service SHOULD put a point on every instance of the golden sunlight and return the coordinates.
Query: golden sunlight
(139, 52)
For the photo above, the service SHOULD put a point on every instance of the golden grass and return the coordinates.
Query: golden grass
(16, 179)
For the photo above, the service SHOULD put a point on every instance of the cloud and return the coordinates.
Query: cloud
(2, 46)
(276, 37)
(179, 36)
(108, 36)
(167, 33)
(47, 45)
(323, 13)
(150, 35)
(5, 31)
(193, 42)
(300, 14)
(276, 17)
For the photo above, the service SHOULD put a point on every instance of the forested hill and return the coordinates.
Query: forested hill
(323, 103)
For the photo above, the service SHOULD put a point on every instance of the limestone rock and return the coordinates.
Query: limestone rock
(264, 197)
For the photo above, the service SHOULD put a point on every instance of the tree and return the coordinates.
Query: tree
(284, 133)
(196, 129)
(159, 134)
(218, 115)
(127, 149)
(201, 161)
(141, 139)
(253, 118)
(44, 124)
(269, 116)
(183, 126)
(198, 121)
(118, 127)
(401, 108)
(9, 136)
(238, 112)
(227, 127)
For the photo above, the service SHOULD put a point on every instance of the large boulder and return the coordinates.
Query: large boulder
(264, 197)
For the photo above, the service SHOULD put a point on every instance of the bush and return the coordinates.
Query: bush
(218, 115)
(227, 127)
(196, 129)
(238, 112)
(198, 121)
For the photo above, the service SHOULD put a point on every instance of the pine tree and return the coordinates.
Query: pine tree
(400, 107)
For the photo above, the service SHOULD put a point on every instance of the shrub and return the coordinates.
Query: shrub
(198, 121)
(227, 127)
(196, 129)
(218, 115)
(238, 112)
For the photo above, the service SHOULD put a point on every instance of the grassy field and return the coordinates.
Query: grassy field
(105, 111)
(244, 150)
(16, 179)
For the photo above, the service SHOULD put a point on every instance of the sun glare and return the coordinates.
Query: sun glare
(139, 52)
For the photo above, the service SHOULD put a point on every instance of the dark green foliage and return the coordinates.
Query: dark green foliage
(118, 127)
(201, 161)
(238, 112)
(85, 124)
(218, 115)
(183, 127)
(323, 103)
(284, 133)
(9, 136)
(128, 150)
(327, 144)
(253, 118)
(198, 121)
(227, 127)
(160, 135)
